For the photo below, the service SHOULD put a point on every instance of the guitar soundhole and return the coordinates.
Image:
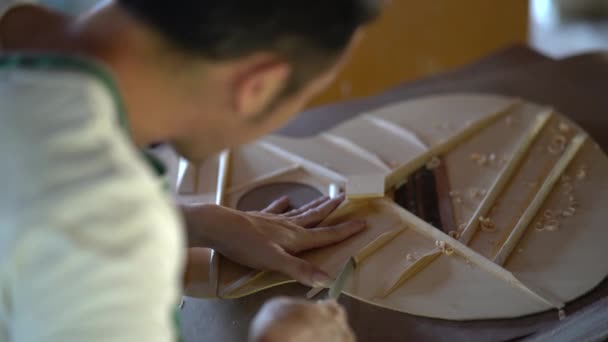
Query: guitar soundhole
(419, 196)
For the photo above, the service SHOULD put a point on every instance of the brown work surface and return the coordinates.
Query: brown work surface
(577, 87)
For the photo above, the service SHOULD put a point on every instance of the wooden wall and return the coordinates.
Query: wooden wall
(416, 38)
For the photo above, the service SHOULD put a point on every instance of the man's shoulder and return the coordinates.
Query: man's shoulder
(62, 135)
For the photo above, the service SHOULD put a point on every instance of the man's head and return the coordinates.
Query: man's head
(205, 74)
(248, 66)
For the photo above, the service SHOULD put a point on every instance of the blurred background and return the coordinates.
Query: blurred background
(416, 38)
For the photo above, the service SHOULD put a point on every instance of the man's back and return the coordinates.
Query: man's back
(85, 228)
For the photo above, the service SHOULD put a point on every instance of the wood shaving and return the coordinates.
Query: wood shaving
(564, 127)
(560, 140)
(558, 144)
(552, 225)
(581, 174)
(480, 159)
(569, 212)
(549, 214)
(444, 248)
(434, 163)
(475, 193)
(492, 157)
(487, 225)
(454, 234)
(411, 258)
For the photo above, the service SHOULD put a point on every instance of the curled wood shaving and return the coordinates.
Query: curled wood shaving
(444, 248)
(440, 244)
(564, 127)
(558, 144)
(487, 225)
(581, 174)
(454, 234)
(569, 212)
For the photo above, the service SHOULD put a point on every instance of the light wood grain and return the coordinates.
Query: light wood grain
(433, 233)
(545, 190)
(401, 173)
(505, 177)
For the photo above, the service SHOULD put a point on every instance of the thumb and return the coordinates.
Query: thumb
(302, 271)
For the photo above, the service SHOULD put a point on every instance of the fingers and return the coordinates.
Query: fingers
(314, 216)
(308, 206)
(278, 206)
(321, 237)
(301, 270)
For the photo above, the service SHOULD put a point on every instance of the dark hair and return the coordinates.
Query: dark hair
(310, 34)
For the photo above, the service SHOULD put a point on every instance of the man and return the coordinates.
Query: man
(90, 247)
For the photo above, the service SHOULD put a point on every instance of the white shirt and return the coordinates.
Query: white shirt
(90, 246)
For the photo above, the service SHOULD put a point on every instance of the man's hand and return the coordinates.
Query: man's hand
(269, 239)
(294, 320)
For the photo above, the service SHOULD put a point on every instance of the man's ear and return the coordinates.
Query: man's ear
(258, 86)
